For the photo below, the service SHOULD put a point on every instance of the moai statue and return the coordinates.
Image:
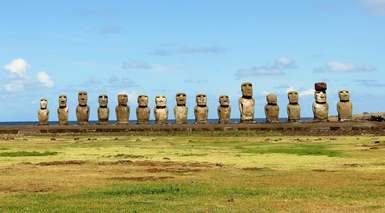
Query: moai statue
(272, 109)
(224, 109)
(344, 106)
(320, 105)
(82, 109)
(247, 103)
(201, 110)
(103, 110)
(122, 109)
(142, 111)
(43, 113)
(62, 111)
(161, 110)
(181, 110)
(293, 108)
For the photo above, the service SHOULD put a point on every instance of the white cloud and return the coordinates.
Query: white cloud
(277, 68)
(377, 7)
(338, 66)
(302, 93)
(17, 67)
(306, 92)
(44, 79)
(14, 86)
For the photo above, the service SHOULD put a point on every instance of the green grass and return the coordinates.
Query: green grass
(297, 149)
(26, 154)
(196, 173)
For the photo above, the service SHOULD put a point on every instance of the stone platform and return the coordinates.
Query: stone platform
(302, 128)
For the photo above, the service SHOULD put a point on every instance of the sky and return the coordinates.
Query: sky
(48, 48)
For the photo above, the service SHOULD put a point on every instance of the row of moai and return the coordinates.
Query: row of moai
(246, 107)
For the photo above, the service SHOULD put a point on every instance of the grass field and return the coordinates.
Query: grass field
(256, 173)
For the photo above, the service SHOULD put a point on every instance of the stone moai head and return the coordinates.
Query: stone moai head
(103, 100)
(344, 95)
(320, 97)
(201, 100)
(161, 101)
(271, 99)
(43, 103)
(122, 99)
(320, 92)
(62, 101)
(143, 100)
(181, 99)
(247, 89)
(82, 98)
(224, 100)
(293, 97)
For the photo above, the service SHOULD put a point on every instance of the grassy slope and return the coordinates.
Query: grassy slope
(195, 173)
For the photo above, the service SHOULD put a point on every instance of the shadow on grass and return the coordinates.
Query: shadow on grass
(26, 154)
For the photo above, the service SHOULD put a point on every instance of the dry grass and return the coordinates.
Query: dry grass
(193, 174)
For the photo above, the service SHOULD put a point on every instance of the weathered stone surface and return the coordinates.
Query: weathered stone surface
(247, 103)
(143, 111)
(82, 110)
(161, 110)
(103, 110)
(201, 110)
(320, 106)
(122, 110)
(62, 111)
(224, 110)
(43, 112)
(181, 110)
(344, 106)
(272, 109)
(293, 108)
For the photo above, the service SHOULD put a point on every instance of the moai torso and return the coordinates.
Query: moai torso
(201, 110)
(181, 110)
(271, 109)
(293, 108)
(224, 110)
(82, 110)
(103, 110)
(62, 111)
(247, 103)
(344, 106)
(142, 111)
(122, 109)
(320, 105)
(43, 113)
(161, 110)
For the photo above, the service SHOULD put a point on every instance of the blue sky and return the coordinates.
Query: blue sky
(163, 47)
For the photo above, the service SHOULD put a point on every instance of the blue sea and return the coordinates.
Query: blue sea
(190, 121)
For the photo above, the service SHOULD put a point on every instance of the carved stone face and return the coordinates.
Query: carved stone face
(43, 103)
(320, 97)
(143, 100)
(271, 99)
(82, 98)
(247, 89)
(161, 101)
(181, 99)
(224, 100)
(62, 101)
(122, 99)
(293, 97)
(201, 100)
(344, 95)
(103, 100)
